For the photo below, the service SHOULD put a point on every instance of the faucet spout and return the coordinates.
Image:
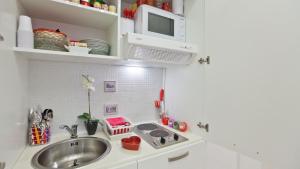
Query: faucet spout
(72, 130)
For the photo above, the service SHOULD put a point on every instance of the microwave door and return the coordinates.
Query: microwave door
(161, 26)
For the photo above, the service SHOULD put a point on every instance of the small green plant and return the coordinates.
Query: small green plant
(86, 117)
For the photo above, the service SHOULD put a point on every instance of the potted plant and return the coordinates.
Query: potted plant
(90, 123)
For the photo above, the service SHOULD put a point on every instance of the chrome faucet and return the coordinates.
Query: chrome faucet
(72, 130)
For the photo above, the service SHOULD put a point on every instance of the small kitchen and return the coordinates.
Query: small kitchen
(133, 84)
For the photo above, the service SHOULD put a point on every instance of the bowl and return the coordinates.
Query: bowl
(77, 49)
(131, 143)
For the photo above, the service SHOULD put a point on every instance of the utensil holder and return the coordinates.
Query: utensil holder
(38, 135)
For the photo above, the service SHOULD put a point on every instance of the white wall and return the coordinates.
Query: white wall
(58, 86)
(13, 89)
(252, 86)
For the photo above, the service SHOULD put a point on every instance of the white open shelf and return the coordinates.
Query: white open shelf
(68, 12)
(48, 55)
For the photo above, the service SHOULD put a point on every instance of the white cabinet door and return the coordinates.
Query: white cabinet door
(189, 157)
(131, 165)
(219, 157)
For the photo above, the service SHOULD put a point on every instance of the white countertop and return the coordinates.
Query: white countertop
(117, 155)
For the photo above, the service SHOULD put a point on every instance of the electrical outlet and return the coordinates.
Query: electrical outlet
(110, 109)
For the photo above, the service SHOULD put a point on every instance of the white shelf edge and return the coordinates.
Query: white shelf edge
(57, 56)
(82, 7)
(48, 55)
(69, 12)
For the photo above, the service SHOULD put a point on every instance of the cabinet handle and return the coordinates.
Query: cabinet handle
(172, 159)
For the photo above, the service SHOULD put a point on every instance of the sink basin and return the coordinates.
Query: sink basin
(72, 153)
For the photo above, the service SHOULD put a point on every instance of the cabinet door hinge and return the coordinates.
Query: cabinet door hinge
(203, 126)
(204, 60)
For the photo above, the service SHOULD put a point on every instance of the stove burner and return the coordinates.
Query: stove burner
(148, 126)
(159, 133)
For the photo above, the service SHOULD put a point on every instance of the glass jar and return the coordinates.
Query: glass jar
(159, 3)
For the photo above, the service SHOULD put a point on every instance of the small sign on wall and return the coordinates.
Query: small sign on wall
(110, 86)
(110, 109)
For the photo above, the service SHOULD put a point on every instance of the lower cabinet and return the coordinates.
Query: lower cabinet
(188, 157)
(131, 165)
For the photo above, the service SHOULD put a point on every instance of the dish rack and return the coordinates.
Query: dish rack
(158, 50)
(114, 133)
(159, 55)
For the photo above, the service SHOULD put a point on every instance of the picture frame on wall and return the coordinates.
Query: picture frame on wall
(110, 86)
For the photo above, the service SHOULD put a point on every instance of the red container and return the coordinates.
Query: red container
(166, 6)
(165, 120)
(140, 2)
(131, 143)
(85, 2)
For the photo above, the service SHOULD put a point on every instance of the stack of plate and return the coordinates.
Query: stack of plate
(97, 46)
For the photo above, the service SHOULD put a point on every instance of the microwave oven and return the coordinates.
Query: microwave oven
(159, 23)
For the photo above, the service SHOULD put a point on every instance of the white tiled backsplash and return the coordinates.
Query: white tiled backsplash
(58, 86)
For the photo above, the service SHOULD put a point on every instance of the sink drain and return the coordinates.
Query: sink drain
(75, 163)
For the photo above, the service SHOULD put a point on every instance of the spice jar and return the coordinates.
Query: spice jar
(112, 8)
(76, 1)
(97, 5)
(166, 6)
(105, 7)
(150, 2)
(159, 3)
(140, 2)
(85, 2)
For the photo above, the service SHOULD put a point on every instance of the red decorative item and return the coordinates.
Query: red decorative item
(165, 121)
(183, 126)
(131, 143)
(166, 6)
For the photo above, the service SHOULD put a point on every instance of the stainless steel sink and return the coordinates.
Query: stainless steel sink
(71, 153)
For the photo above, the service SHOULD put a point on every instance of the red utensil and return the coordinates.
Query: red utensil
(162, 95)
(157, 104)
(131, 143)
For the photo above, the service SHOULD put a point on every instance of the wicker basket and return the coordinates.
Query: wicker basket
(50, 39)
